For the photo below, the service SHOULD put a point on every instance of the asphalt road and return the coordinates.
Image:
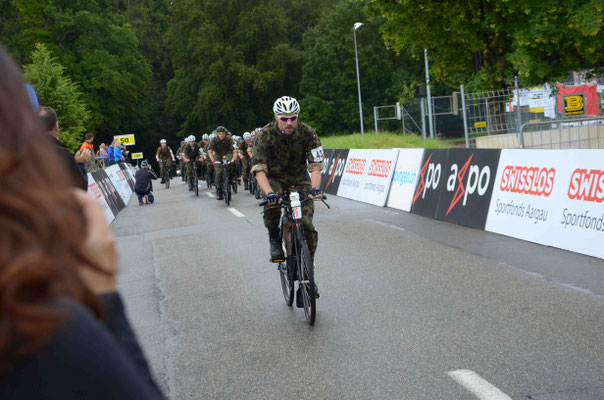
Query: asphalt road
(410, 308)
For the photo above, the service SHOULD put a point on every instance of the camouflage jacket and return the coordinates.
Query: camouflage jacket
(243, 148)
(164, 154)
(221, 147)
(288, 157)
(192, 153)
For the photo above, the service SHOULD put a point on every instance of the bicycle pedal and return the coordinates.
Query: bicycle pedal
(277, 260)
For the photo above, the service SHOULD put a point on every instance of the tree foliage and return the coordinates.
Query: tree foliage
(538, 40)
(329, 81)
(56, 90)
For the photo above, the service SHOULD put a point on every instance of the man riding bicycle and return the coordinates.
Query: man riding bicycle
(164, 155)
(284, 152)
(245, 158)
(218, 148)
(191, 155)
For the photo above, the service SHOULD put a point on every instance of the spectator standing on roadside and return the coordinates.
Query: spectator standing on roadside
(64, 333)
(117, 152)
(102, 154)
(88, 147)
(51, 125)
(125, 152)
(110, 154)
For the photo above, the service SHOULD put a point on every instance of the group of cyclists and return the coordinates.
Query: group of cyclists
(284, 154)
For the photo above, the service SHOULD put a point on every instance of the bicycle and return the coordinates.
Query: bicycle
(210, 176)
(227, 184)
(195, 181)
(167, 173)
(298, 264)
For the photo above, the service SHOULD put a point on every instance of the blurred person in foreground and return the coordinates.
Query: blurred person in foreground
(63, 330)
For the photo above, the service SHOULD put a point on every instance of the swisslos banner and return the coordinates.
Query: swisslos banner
(367, 175)
(333, 169)
(404, 179)
(551, 197)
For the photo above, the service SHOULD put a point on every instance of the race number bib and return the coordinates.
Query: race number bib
(317, 154)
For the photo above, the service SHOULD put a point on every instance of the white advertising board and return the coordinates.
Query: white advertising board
(551, 197)
(354, 173)
(367, 175)
(118, 179)
(95, 193)
(378, 177)
(405, 178)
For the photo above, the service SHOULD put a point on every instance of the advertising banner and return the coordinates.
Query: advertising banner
(95, 192)
(468, 178)
(326, 164)
(128, 174)
(551, 197)
(378, 177)
(117, 176)
(354, 174)
(430, 182)
(404, 179)
(335, 170)
(107, 189)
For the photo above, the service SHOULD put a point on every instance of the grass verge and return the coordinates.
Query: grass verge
(382, 141)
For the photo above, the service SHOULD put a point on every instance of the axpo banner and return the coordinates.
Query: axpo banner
(429, 183)
(404, 179)
(551, 197)
(367, 175)
(466, 194)
(333, 169)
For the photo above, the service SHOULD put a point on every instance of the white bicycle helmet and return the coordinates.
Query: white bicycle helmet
(163, 141)
(213, 135)
(286, 105)
(205, 136)
(247, 136)
(191, 138)
(186, 140)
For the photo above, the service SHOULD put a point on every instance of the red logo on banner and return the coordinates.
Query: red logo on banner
(587, 185)
(461, 190)
(528, 180)
(380, 168)
(422, 183)
(356, 166)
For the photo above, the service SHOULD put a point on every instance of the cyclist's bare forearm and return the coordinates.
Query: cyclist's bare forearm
(262, 181)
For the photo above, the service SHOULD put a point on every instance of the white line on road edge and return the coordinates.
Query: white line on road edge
(235, 212)
(210, 194)
(391, 226)
(477, 385)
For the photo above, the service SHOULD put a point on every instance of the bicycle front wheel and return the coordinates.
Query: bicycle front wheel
(227, 189)
(195, 183)
(306, 281)
(167, 178)
(286, 285)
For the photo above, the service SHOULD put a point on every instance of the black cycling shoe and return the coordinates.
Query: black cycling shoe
(274, 238)
(220, 198)
(316, 291)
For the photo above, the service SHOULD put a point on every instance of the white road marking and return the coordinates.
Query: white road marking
(210, 194)
(391, 226)
(235, 212)
(477, 385)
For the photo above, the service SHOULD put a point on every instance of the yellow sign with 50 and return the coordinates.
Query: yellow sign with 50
(126, 140)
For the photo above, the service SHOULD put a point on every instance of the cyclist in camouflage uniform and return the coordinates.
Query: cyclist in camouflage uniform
(191, 155)
(164, 153)
(245, 158)
(179, 155)
(222, 146)
(284, 153)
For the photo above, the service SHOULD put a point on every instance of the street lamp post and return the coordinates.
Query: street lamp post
(357, 26)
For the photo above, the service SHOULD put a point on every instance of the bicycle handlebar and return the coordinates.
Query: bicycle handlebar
(285, 203)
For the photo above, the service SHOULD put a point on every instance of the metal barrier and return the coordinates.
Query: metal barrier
(579, 133)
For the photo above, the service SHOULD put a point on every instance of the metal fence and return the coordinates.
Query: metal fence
(559, 115)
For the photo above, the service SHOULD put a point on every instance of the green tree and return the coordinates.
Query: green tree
(56, 90)
(538, 40)
(329, 82)
(232, 59)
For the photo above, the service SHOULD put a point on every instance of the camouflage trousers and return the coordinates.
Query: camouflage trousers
(272, 217)
(245, 168)
(219, 171)
(189, 168)
(161, 167)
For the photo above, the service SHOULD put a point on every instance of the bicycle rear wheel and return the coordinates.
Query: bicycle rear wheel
(167, 178)
(286, 285)
(306, 281)
(227, 188)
